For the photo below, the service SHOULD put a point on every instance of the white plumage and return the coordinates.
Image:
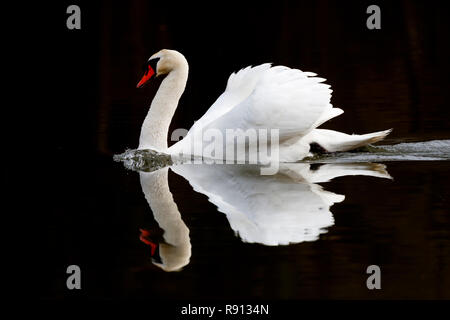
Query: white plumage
(261, 97)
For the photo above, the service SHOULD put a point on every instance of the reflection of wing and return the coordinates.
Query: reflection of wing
(327, 172)
(273, 210)
(175, 251)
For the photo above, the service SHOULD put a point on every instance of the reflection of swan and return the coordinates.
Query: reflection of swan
(175, 250)
(285, 208)
(262, 97)
(289, 207)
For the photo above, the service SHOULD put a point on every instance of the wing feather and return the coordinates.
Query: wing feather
(268, 97)
(287, 99)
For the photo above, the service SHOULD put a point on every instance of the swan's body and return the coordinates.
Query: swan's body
(260, 97)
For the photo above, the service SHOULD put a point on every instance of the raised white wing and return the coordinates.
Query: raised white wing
(265, 97)
(290, 100)
(239, 86)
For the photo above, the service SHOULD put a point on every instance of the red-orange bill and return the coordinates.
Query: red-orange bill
(150, 72)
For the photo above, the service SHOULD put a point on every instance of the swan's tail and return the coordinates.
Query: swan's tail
(334, 141)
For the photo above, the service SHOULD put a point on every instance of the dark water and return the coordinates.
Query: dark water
(401, 224)
(91, 208)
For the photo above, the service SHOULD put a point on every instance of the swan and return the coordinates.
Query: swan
(262, 97)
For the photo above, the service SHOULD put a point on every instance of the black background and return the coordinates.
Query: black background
(86, 106)
(396, 77)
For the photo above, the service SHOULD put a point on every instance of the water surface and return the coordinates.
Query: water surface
(308, 232)
(91, 209)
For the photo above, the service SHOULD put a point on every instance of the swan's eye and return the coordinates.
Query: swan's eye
(152, 63)
(149, 69)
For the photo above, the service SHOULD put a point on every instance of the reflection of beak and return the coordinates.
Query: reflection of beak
(147, 76)
(145, 238)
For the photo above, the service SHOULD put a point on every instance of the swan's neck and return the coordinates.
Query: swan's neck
(155, 128)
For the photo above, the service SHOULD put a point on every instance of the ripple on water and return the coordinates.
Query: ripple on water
(144, 160)
(435, 150)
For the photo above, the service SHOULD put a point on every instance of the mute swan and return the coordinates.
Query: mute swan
(261, 97)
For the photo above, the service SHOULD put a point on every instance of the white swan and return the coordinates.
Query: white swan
(260, 97)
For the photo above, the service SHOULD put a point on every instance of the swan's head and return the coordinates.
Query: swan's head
(162, 62)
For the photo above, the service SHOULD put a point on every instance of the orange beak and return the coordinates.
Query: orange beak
(147, 76)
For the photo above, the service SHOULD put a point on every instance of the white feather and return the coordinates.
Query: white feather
(262, 97)
(265, 97)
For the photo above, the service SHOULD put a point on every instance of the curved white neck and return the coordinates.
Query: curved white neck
(156, 124)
